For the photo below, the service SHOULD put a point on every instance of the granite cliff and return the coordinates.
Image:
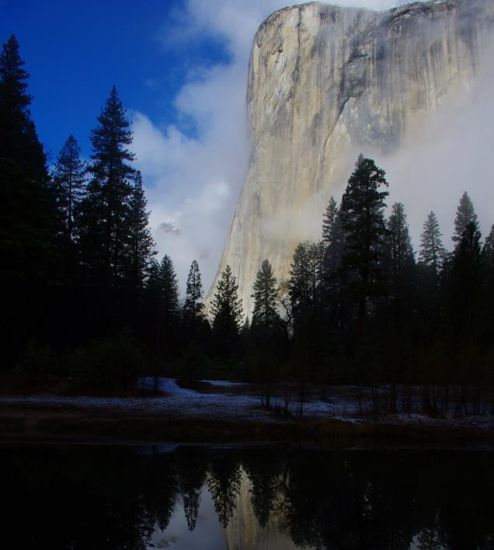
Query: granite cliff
(326, 82)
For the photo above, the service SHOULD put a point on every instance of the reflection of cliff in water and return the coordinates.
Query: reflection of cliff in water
(244, 530)
(245, 499)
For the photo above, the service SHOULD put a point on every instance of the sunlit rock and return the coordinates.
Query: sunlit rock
(326, 83)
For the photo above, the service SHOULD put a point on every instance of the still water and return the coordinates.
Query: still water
(191, 498)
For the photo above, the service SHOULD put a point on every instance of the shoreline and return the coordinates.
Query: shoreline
(33, 423)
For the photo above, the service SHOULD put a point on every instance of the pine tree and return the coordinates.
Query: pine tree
(18, 139)
(362, 210)
(105, 212)
(333, 245)
(305, 278)
(330, 220)
(140, 241)
(267, 338)
(399, 243)
(193, 305)
(467, 260)
(264, 293)
(488, 248)
(465, 214)
(465, 303)
(29, 270)
(432, 251)
(170, 293)
(226, 308)
(69, 177)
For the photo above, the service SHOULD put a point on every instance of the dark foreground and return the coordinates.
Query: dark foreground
(245, 498)
(33, 423)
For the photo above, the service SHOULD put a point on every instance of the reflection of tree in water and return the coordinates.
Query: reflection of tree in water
(102, 498)
(159, 487)
(387, 500)
(223, 480)
(191, 472)
(266, 480)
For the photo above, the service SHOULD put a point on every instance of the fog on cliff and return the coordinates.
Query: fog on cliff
(194, 182)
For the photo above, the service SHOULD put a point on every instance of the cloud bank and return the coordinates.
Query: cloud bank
(193, 183)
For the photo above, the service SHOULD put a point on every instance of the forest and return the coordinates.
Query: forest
(86, 300)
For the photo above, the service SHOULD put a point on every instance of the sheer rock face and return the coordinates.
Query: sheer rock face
(326, 82)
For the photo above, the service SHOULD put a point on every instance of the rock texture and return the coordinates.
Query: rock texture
(326, 82)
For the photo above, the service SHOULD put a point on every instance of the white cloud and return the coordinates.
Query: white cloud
(194, 183)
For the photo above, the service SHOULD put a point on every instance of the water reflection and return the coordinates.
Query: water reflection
(92, 497)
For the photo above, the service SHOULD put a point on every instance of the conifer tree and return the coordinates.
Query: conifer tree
(140, 241)
(432, 251)
(18, 139)
(29, 270)
(362, 210)
(161, 311)
(170, 292)
(333, 246)
(267, 336)
(305, 277)
(488, 249)
(264, 293)
(105, 212)
(467, 261)
(330, 219)
(226, 307)
(465, 214)
(193, 305)
(401, 261)
(69, 176)
(399, 243)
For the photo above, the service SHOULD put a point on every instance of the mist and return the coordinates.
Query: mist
(193, 183)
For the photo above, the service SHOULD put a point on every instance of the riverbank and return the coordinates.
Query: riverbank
(54, 424)
(225, 412)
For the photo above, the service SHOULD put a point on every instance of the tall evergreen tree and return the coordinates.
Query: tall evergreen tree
(140, 241)
(18, 139)
(264, 293)
(30, 270)
(333, 246)
(226, 310)
(467, 262)
(267, 335)
(488, 248)
(193, 305)
(464, 306)
(362, 210)
(432, 251)
(304, 287)
(399, 244)
(465, 214)
(69, 177)
(330, 219)
(170, 293)
(161, 310)
(105, 212)
(305, 278)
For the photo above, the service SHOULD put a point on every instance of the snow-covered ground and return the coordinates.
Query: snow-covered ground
(241, 403)
(186, 402)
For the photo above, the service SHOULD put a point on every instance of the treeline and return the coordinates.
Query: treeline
(82, 293)
(360, 308)
(85, 297)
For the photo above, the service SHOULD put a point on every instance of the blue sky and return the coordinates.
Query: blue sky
(181, 70)
(76, 50)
